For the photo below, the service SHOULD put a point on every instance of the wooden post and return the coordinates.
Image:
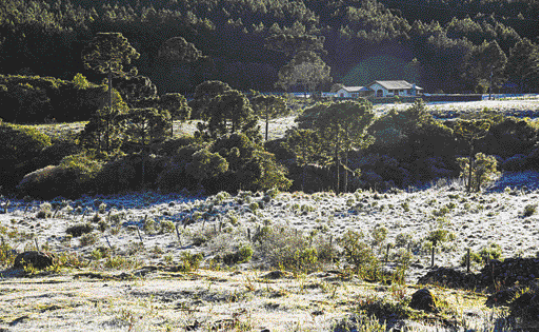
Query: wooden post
(140, 236)
(108, 242)
(220, 227)
(468, 261)
(248, 234)
(432, 258)
(56, 211)
(331, 241)
(37, 244)
(179, 236)
(387, 253)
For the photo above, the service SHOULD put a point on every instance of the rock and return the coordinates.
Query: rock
(424, 300)
(276, 275)
(449, 278)
(38, 259)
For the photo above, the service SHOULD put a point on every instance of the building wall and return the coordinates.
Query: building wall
(376, 88)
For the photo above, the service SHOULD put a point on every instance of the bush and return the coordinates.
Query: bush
(20, 148)
(244, 254)
(73, 177)
(80, 229)
(360, 255)
(190, 262)
(529, 210)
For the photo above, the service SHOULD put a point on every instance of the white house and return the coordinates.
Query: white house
(380, 89)
(394, 88)
(353, 92)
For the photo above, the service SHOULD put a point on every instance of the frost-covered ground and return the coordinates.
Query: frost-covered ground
(174, 301)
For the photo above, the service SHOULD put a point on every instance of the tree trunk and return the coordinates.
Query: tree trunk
(338, 163)
(470, 165)
(143, 132)
(267, 125)
(304, 166)
(346, 170)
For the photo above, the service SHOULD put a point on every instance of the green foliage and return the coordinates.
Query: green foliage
(342, 126)
(206, 165)
(484, 170)
(74, 176)
(190, 262)
(360, 255)
(39, 99)
(79, 230)
(306, 69)
(269, 107)
(108, 52)
(243, 255)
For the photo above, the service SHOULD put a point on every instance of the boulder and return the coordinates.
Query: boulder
(424, 300)
(38, 259)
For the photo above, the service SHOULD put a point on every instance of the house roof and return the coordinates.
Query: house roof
(351, 89)
(396, 85)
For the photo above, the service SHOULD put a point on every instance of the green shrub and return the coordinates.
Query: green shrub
(167, 226)
(244, 254)
(74, 176)
(87, 239)
(360, 255)
(78, 230)
(190, 262)
(149, 226)
(20, 150)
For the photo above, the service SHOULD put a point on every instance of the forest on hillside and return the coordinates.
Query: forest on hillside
(442, 45)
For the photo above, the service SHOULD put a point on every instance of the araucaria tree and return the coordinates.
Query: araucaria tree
(106, 54)
(176, 105)
(230, 113)
(343, 126)
(306, 69)
(143, 124)
(304, 143)
(269, 107)
(471, 130)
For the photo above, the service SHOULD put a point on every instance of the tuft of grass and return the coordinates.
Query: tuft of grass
(80, 229)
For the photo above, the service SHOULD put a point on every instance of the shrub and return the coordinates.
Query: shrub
(530, 210)
(78, 230)
(149, 226)
(74, 176)
(190, 262)
(87, 239)
(483, 170)
(20, 148)
(244, 254)
(360, 255)
(167, 226)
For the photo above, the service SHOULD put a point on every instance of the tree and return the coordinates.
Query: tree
(231, 112)
(176, 51)
(523, 64)
(485, 65)
(205, 165)
(303, 142)
(306, 69)
(269, 107)
(143, 125)
(471, 130)
(483, 170)
(106, 54)
(177, 107)
(290, 44)
(205, 92)
(343, 126)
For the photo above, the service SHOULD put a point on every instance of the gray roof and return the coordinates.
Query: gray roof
(396, 85)
(355, 88)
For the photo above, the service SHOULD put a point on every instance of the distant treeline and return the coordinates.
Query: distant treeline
(439, 44)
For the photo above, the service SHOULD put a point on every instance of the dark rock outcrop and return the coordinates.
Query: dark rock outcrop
(424, 300)
(38, 259)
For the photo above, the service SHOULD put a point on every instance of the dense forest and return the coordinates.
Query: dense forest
(442, 45)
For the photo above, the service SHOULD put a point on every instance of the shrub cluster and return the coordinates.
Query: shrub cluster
(26, 99)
